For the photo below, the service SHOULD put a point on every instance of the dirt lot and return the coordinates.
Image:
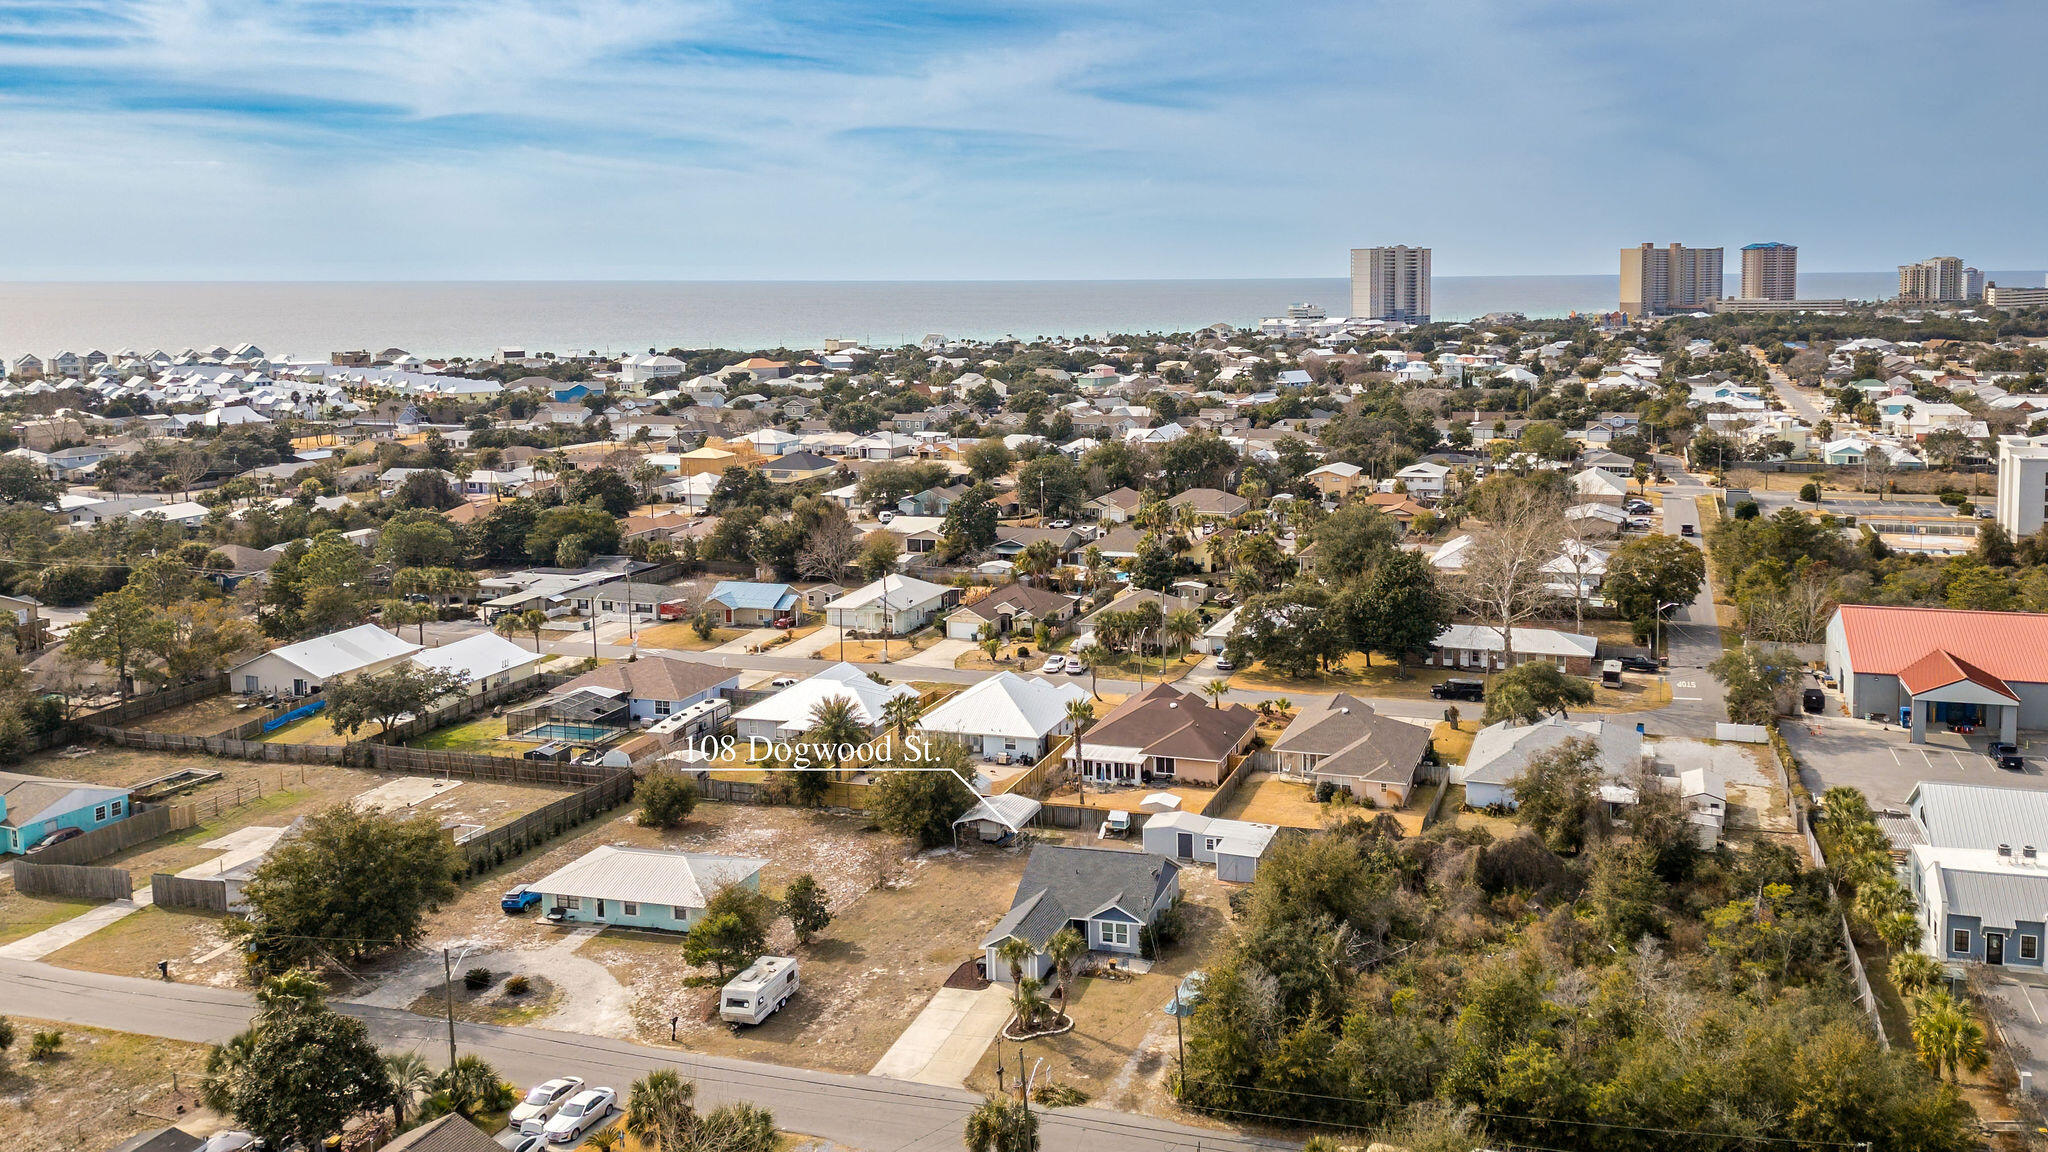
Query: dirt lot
(104, 1087)
(1121, 1048)
(901, 924)
(209, 717)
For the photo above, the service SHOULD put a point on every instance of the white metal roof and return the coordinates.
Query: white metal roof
(1008, 705)
(792, 707)
(647, 876)
(477, 657)
(340, 653)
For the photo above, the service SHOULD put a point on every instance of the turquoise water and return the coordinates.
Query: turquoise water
(575, 733)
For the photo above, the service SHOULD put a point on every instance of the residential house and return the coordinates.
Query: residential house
(1011, 608)
(894, 605)
(1478, 648)
(1233, 846)
(302, 669)
(35, 808)
(1163, 733)
(1211, 503)
(1976, 869)
(1500, 753)
(643, 887)
(1342, 739)
(1108, 895)
(1337, 479)
(484, 661)
(790, 713)
(1007, 717)
(1117, 505)
(1424, 480)
(656, 686)
(746, 604)
(797, 467)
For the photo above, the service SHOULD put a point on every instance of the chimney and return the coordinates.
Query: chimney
(2005, 850)
(2027, 851)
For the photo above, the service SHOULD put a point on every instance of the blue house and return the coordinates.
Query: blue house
(570, 393)
(35, 808)
(746, 604)
(643, 887)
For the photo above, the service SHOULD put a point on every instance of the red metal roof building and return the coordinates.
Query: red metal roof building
(1941, 666)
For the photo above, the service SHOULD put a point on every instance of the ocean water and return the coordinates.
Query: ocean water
(471, 319)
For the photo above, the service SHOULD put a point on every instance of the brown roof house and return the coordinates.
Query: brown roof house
(1341, 739)
(1211, 502)
(1011, 608)
(1164, 734)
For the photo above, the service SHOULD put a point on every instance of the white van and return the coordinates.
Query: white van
(756, 994)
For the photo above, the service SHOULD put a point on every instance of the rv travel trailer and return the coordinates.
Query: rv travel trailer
(756, 994)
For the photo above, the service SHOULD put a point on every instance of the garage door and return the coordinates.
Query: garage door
(963, 630)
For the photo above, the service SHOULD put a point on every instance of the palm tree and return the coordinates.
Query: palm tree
(1948, 1038)
(993, 646)
(223, 1063)
(1002, 1125)
(900, 713)
(1065, 947)
(661, 1110)
(1014, 952)
(471, 1086)
(834, 724)
(1080, 714)
(604, 1139)
(295, 991)
(1184, 625)
(513, 623)
(1215, 690)
(412, 1079)
(1914, 972)
(1028, 1001)
(1038, 558)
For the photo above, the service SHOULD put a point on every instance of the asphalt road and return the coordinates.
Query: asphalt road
(1692, 633)
(855, 1111)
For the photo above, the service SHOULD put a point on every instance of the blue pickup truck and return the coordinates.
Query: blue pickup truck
(519, 899)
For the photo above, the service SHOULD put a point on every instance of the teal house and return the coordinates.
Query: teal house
(35, 808)
(642, 887)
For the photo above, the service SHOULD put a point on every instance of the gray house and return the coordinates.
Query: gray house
(1108, 895)
(1979, 872)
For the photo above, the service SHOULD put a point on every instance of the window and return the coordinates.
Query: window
(629, 908)
(249, 684)
(2030, 948)
(99, 813)
(1959, 940)
(661, 707)
(114, 809)
(1116, 932)
(572, 902)
(1208, 843)
(681, 913)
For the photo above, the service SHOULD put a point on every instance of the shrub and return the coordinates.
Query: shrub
(1325, 790)
(477, 979)
(6, 1033)
(45, 1045)
(1060, 1096)
(518, 986)
(666, 800)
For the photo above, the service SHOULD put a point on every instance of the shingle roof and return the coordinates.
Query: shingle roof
(1063, 884)
(1355, 741)
(2012, 646)
(654, 678)
(1500, 751)
(450, 1133)
(1165, 721)
(648, 876)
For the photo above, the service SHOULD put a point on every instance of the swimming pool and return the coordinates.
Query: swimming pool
(578, 733)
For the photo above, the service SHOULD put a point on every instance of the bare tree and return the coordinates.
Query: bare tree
(827, 551)
(1504, 580)
(1579, 557)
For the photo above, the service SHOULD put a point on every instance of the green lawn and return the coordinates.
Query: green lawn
(481, 734)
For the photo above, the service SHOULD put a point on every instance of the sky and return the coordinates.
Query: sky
(896, 139)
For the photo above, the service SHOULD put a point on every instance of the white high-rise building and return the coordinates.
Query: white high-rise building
(2022, 484)
(1939, 280)
(1390, 283)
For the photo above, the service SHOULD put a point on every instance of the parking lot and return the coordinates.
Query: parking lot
(1883, 761)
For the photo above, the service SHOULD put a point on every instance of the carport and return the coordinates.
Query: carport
(1948, 690)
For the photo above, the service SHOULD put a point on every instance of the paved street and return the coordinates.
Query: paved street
(856, 1111)
(1692, 634)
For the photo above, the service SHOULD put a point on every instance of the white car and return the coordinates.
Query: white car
(543, 1099)
(580, 1114)
(1059, 524)
(783, 682)
(1075, 667)
(1053, 663)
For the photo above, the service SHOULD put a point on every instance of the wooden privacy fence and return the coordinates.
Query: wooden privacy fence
(469, 706)
(168, 891)
(492, 848)
(73, 881)
(229, 746)
(1232, 780)
(120, 714)
(476, 766)
(147, 823)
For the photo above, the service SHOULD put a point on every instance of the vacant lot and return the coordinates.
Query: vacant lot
(209, 717)
(683, 636)
(1122, 1048)
(199, 951)
(104, 1087)
(27, 915)
(901, 924)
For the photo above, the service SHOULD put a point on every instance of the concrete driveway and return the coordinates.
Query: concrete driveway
(748, 641)
(939, 655)
(947, 1039)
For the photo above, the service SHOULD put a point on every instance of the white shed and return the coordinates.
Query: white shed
(1233, 846)
(997, 818)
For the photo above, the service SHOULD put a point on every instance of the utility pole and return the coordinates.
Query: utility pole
(448, 986)
(1180, 1046)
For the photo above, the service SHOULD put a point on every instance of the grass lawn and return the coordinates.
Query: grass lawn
(27, 915)
(100, 1088)
(682, 636)
(1453, 742)
(1381, 678)
(313, 729)
(484, 734)
(132, 945)
(1265, 798)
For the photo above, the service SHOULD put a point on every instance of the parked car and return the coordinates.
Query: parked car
(1638, 507)
(783, 682)
(1075, 667)
(1638, 524)
(1640, 664)
(519, 900)
(1053, 663)
(1059, 524)
(1687, 530)
(544, 1099)
(1224, 663)
(583, 1112)
(1459, 690)
(513, 1140)
(2007, 756)
(884, 517)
